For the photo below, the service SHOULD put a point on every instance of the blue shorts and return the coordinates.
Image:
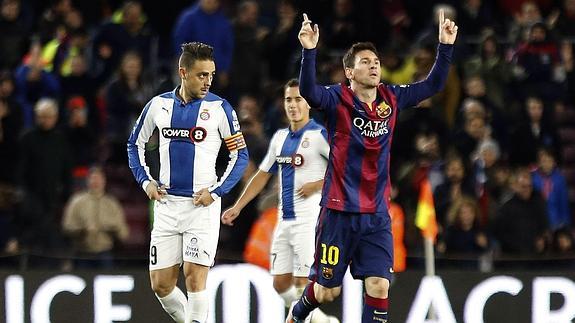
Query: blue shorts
(362, 241)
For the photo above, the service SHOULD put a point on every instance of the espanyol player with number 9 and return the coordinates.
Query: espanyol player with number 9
(192, 123)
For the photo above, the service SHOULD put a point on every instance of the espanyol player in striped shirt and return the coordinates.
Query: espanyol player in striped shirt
(354, 224)
(192, 124)
(298, 154)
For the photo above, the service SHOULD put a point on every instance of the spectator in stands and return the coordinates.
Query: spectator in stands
(341, 25)
(45, 176)
(485, 162)
(548, 180)
(54, 17)
(536, 63)
(249, 114)
(59, 52)
(463, 233)
(80, 83)
(445, 102)
(205, 22)
(396, 67)
(467, 139)
(521, 225)
(33, 82)
(10, 126)
(495, 115)
(425, 161)
(533, 131)
(457, 185)
(527, 15)
(246, 72)
(126, 32)
(94, 220)
(476, 15)
(564, 242)
(125, 97)
(13, 34)
(566, 52)
(80, 135)
(564, 24)
(282, 48)
(489, 64)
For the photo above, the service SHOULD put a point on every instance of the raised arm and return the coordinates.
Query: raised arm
(414, 93)
(315, 95)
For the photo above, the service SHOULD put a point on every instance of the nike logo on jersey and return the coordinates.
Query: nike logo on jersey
(166, 109)
(376, 312)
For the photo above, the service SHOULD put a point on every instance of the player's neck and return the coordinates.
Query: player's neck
(365, 94)
(297, 125)
(183, 95)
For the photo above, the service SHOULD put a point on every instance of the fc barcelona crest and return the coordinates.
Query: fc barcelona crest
(383, 110)
(327, 273)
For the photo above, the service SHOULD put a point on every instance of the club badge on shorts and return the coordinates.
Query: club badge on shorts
(326, 272)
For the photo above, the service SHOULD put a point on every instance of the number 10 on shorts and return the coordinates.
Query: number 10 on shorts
(329, 255)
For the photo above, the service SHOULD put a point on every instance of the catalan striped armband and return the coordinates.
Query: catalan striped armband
(235, 142)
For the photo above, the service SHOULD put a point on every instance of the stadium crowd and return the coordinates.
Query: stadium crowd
(497, 145)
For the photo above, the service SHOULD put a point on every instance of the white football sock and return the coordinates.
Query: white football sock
(197, 309)
(175, 305)
(317, 316)
(290, 295)
(299, 290)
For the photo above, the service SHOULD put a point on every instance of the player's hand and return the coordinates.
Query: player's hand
(308, 36)
(309, 189)
(447, 29)
(230, 215)
(154, 192)
(203, 198)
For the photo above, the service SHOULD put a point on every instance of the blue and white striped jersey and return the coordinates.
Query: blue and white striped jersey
(190, 137)
(301, 157)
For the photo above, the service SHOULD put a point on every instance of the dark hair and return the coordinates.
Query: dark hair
(96, 169)
(196, 51)
(543, 149)
(349, 57)
(291, 83)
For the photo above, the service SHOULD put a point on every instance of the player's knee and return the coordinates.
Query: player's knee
(281, 284)
(377, 287)
(161, 288)
(326, 295)
(195, 285)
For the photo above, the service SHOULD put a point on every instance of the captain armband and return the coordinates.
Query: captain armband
(235, 142)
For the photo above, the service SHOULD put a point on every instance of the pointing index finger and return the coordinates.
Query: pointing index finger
(305, 18)
(441, 17)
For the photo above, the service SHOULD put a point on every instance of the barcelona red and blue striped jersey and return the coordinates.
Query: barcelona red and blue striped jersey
(357, 176)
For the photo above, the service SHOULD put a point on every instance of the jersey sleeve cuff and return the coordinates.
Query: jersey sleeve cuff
(215, 196)
(309, 53)
(145, 184)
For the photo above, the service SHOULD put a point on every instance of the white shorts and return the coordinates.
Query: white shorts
(184, 232)
(293, 247)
